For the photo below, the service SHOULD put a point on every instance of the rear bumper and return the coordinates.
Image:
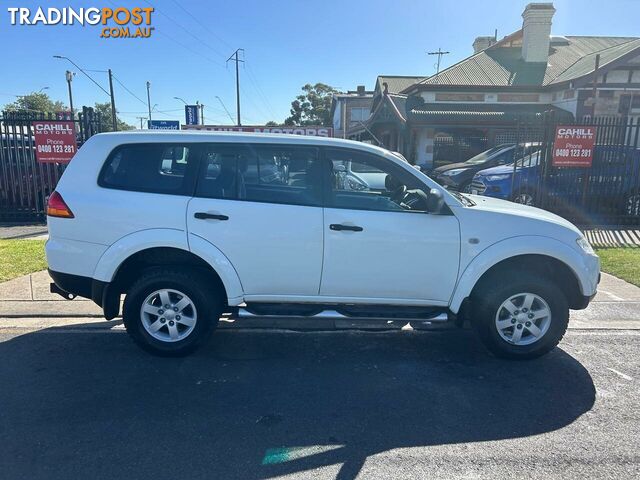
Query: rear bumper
(81, 286)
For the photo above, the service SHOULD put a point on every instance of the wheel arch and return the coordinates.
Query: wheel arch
(550, 257)
(165, 247)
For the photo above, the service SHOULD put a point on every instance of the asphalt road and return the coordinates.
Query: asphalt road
(86, 403)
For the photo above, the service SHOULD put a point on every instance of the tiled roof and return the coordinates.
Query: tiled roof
(570, 58)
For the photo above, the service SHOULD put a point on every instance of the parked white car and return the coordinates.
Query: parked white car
(191, 225)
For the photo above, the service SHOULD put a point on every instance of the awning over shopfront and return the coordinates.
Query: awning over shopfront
(474, 114)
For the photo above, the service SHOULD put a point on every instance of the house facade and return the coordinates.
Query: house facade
(387, 124)
(526, 73)
(475, 103)
(349, 110)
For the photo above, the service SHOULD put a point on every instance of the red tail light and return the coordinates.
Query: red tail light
(57, 208)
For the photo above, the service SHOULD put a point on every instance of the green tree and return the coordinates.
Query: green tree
(104, 109)
(271, 123)
(313, 107)
(37, 102)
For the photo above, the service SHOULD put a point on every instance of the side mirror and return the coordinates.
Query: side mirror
(435, 201)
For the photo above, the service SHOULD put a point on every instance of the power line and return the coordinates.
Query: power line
(261, 94)
(197, 20)
(186, 30)
(130, 92)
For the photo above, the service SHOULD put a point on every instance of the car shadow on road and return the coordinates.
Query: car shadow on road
(256, 404)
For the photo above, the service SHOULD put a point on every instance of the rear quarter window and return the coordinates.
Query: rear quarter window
(153, 167)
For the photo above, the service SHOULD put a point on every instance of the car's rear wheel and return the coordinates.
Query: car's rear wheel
(522, 316)
(171, 311)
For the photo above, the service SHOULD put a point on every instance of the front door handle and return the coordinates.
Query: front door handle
(210, 216)
(339, 227)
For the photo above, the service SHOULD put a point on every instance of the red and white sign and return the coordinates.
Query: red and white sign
(573, 146)
(55, 141)
(313, 131)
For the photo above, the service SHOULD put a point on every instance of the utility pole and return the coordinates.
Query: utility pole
(234, 57)
(113, 103)
(149, 99)
(439, 53)
(201, 113)
(141, 119)
(70, 75)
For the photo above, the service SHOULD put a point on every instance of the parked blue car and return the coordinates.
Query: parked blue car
(613, 182)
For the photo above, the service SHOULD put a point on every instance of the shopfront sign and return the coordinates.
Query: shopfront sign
(312, 130)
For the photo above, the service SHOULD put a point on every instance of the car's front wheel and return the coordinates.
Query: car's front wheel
(522, 316)
(524, 197)
(170, 311)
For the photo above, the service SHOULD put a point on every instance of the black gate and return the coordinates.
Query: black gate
(25, 184)
(606, 193)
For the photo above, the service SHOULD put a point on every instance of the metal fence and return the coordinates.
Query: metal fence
(25, 184)
(605, 193)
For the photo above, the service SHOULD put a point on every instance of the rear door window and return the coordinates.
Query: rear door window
(261, 173)
(152, 167)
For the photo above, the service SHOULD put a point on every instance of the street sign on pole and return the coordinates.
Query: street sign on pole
(192, 114)
(163, 124)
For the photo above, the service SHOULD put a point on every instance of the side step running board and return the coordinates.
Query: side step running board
(334, 315)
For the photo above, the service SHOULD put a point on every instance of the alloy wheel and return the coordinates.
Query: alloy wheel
(524, 199)
(523, 319)
(168, 315)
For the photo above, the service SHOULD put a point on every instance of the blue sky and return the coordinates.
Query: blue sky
(287, 44)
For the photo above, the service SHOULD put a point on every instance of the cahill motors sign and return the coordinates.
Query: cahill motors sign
(118, 22)
(55, 142)
(573, 146)
(312, 131)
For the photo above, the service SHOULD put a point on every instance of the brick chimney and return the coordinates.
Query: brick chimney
(536, 30)
(360, 90)
(482, 43)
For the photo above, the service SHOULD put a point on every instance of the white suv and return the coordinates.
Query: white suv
(193, 225)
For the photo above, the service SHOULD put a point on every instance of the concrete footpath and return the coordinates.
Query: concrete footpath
(26, 302)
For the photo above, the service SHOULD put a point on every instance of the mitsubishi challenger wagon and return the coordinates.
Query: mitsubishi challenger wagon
(191, 226)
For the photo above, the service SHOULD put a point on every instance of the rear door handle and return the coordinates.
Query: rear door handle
(339, 227)
(210, 216)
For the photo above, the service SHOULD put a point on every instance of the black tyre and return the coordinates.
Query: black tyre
(520, 316)
(170, 311)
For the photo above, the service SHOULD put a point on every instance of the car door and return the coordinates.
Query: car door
(260, 206)
(380, 243)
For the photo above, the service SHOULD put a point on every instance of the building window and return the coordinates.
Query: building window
(358, 114)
